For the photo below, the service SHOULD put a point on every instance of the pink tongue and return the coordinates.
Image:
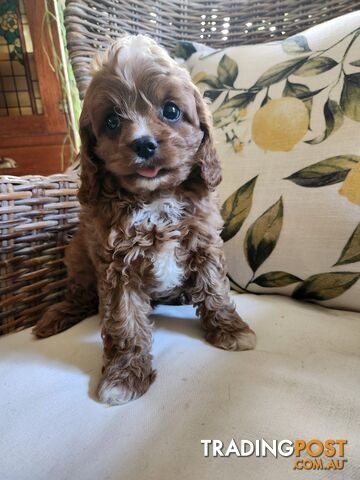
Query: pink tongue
(149, 172)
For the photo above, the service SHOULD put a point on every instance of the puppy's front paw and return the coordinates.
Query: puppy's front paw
(244, 339)
(113, 393)
(119, 386)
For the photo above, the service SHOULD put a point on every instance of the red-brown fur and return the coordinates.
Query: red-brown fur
(110, 261)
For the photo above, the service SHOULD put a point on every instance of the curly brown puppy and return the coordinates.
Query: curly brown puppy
(149, 223)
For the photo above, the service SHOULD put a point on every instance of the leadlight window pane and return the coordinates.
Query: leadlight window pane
(19, 86)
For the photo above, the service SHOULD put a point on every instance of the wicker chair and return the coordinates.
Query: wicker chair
(91, 24)
(38, 215)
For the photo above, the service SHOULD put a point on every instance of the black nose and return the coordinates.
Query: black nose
(144, 147)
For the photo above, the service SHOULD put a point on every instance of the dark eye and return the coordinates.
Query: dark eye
(112, 121)
(171, 112)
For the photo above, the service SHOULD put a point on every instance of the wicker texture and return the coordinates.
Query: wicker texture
(92, 24)
(37, 217)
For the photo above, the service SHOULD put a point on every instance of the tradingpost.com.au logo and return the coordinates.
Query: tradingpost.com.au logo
(309, 455)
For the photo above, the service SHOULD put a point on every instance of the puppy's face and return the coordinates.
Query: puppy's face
(143, 113)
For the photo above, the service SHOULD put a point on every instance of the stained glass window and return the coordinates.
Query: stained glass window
(19, 86)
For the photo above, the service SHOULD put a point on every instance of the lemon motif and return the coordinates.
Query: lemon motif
(198, 81)
(351, 186)
(198, 77)
(280, 124)
(237, 145)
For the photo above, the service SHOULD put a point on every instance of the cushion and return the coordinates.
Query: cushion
(286, 117)
(301, 382)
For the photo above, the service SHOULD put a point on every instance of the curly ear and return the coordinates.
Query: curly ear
(90, 164)
(208, 160)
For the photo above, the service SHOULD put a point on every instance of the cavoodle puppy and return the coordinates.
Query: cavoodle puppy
(149, 223)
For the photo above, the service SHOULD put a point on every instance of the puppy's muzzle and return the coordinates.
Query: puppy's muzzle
(144, 147)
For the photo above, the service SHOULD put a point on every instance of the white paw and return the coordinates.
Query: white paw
(246, 341)
(115, 394)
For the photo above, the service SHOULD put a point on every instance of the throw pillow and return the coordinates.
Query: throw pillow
(286, 117)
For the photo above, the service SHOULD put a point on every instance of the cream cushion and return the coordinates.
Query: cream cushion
(301, 382)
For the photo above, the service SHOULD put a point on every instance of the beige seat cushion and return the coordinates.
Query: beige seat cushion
(301, 382)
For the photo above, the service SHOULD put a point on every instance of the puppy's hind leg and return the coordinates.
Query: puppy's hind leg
(81, 299)
(223, 327)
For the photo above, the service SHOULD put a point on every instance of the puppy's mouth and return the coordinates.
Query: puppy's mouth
(151, 172)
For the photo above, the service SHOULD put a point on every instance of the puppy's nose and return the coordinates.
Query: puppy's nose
(144, 147)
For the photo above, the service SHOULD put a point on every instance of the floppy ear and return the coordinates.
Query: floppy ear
(208, 160)
(90, 164)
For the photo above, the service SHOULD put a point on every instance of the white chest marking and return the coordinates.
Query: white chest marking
(161, 212)
(166, 271)
(164, 212)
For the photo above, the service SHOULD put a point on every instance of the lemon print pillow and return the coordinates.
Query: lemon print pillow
(287, 124)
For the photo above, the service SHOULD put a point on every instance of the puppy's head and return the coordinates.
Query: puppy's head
(144, 123)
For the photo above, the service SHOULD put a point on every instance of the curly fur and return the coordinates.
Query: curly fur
(145, 240)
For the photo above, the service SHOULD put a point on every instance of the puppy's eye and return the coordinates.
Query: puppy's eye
(112, 121)
(171, 112)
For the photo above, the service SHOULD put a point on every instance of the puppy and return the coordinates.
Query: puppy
(149, 223)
